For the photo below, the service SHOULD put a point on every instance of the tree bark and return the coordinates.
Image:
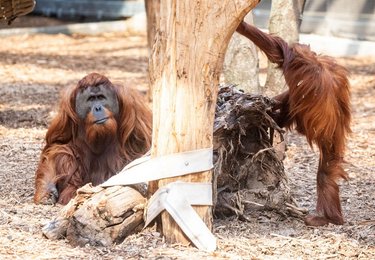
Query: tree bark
(99, 216)
(301, 8)
(284, 22)
(187, 58)
(152, 12)
(241, 64)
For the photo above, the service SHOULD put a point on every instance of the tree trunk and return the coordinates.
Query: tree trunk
(301, 8)
(187, 58)
(241, 64)
(152, 12)
(284, 22)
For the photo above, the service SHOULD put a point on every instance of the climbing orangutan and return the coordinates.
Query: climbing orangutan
(317, 104)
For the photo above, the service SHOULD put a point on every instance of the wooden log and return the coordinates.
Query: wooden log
(186, 62)
(99, 216)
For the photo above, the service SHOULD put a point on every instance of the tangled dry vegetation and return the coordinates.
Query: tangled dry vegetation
(34, 68)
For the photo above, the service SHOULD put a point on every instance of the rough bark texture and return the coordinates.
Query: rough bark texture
(248, 171)
(187, 59)
(152, 12)
(284, 22)
(99, 216)
(241, 64)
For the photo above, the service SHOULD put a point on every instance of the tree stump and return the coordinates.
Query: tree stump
(248, 171)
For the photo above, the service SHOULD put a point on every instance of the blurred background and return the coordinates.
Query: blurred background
(341, 18)
(61, 41)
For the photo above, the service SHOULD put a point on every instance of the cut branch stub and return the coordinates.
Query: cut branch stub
(186, 62)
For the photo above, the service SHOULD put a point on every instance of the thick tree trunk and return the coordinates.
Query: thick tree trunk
(241, 64)
(187, 58)
(301, 8)
(284, 22)
(152, 12)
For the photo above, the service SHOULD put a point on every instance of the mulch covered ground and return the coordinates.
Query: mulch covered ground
(33, 70)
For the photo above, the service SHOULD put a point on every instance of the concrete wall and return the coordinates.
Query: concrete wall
(340, 18)
(89, 9)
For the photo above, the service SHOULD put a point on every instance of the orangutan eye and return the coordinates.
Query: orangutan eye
(96, 97)
(101, 97)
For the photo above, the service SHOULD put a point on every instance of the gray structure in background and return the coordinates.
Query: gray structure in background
(334, 27)
(89, 9)
(340, 18)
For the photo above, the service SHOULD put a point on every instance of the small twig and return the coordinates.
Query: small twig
(290, 238)
(253, 203)
(295, 208)
(330, 256)
(260, 152)
(367, 222)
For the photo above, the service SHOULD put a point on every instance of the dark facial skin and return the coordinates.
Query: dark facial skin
(95, 100)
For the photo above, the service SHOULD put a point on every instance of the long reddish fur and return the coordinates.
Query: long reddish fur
(317, 104)
(67, 160)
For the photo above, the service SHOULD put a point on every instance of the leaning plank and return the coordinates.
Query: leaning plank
(99, 216)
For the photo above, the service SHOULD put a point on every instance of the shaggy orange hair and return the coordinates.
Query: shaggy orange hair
(317, 104)
(67, 162)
